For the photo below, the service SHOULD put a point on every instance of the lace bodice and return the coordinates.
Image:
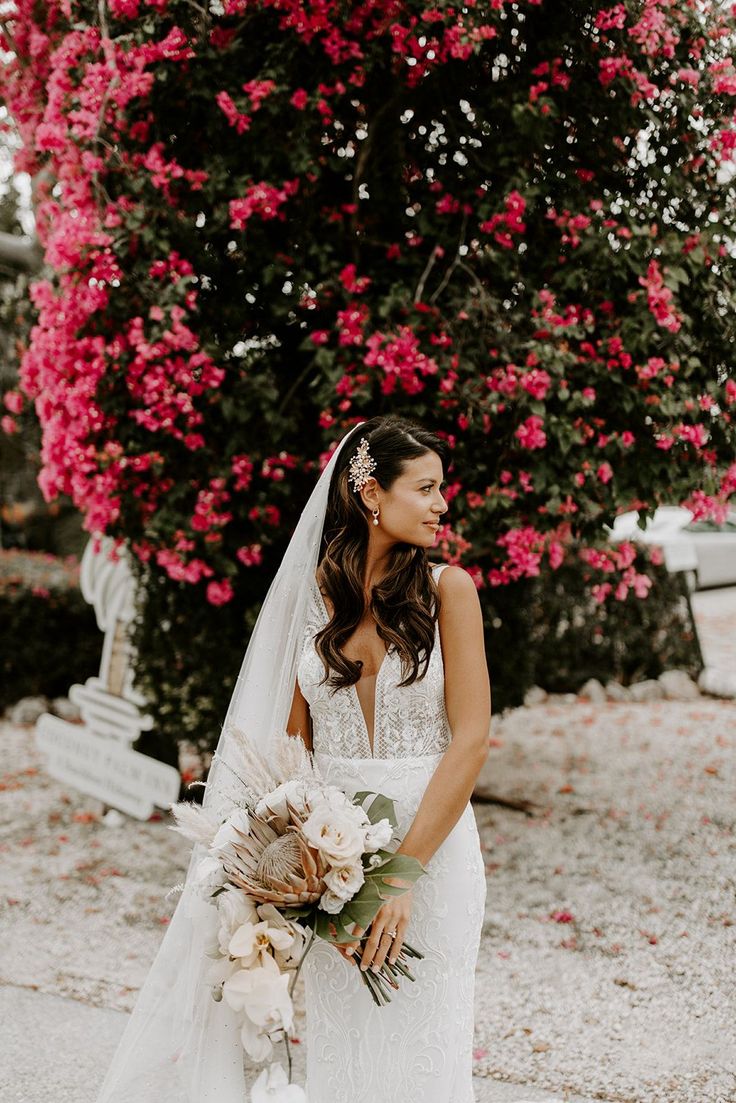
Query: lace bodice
(409, 720)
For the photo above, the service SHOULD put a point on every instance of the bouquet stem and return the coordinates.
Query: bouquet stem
(291, 993)
(381, 984)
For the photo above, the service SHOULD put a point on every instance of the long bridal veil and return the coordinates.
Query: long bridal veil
(179, 1046)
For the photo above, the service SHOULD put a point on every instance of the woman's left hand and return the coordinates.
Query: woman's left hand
(394, 915)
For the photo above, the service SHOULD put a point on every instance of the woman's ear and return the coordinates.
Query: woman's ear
(369, 493)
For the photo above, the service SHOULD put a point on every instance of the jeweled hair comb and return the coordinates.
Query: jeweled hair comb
(362, 465)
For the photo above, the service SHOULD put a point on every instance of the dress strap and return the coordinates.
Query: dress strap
(438, 568)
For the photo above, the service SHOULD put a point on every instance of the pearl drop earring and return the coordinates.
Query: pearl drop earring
(375, 516)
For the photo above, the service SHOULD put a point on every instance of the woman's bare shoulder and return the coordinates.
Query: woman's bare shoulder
(455, 582)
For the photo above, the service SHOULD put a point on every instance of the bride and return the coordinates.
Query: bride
(375, 658)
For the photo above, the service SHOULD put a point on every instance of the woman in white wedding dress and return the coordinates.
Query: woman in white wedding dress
(356, 599)
(371, 625)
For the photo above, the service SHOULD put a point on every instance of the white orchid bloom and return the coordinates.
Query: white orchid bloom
(262, 993)
(234, 909)
(272, 1086)
(253, 939)
(219, 971)
(254, 1041)
(292, 953)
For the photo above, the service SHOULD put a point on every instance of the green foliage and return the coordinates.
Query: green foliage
(49, 635)
(361, 909)
(513, 223)
(549, 631)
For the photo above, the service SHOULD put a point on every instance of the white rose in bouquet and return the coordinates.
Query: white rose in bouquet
(344, 881)
(331, 903)
(335, 832)
(295, 791)
(378, 836)
(335, 798)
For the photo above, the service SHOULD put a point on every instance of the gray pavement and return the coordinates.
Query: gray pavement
(52, 1048)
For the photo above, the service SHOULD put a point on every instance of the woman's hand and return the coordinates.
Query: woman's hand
(394, 915)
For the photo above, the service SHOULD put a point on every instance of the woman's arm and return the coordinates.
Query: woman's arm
(299, 722)
(468, 704)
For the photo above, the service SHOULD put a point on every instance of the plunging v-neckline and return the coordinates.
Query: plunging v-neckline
(370, 740)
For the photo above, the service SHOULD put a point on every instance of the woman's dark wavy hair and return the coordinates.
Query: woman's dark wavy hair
(406, 602)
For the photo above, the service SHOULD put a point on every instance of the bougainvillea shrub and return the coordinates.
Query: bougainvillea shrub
(265, 219)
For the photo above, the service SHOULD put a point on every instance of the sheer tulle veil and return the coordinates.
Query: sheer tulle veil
(179, 1046)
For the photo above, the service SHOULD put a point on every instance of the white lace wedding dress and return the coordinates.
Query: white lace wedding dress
(418, 1048)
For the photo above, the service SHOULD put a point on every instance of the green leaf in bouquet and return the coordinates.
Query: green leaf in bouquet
(380, 808)
(297, 912)
(362, 909)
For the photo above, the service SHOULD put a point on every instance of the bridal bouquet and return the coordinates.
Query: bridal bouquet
(293, 855)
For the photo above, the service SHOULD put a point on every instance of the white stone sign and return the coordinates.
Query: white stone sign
(96, 756)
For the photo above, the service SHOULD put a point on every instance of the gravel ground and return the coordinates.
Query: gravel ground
(607, 963)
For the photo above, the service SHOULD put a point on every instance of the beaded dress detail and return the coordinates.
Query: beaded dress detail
(418, 1048)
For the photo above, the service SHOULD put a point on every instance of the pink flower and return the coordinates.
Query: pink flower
(234, 117)
(693, 434)
(530, 433)
(262, 199)
(351, 323)
(600, 591)
(536, 383)
(13, 401)
(660, 298)
(355, 285)
(300, 99)
(124, 9)
(250, 555)
(400, 360)
(556, 553)
(605, 472)
(219, 593)
(242, 469)
(258, 90)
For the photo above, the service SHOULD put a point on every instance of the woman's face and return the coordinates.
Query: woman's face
(411, 508)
